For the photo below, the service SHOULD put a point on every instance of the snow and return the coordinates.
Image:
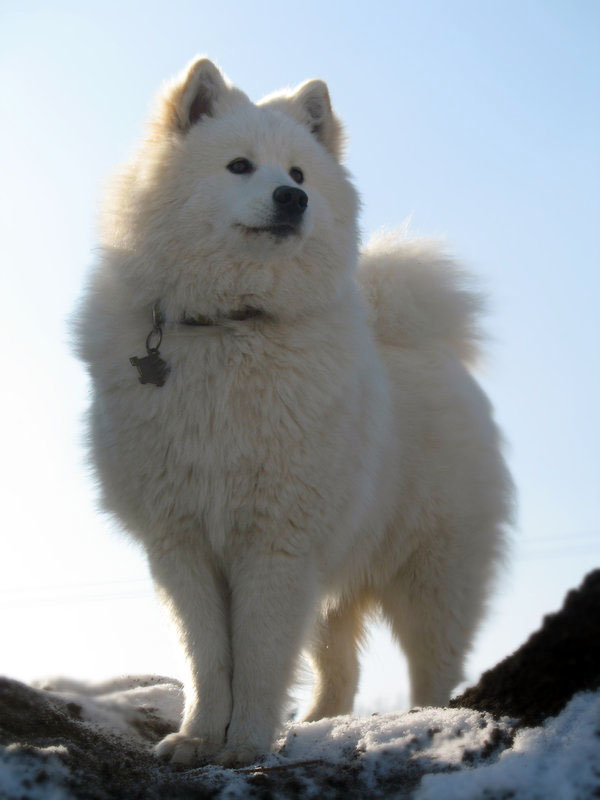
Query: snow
(37, 774)
(560, 759)
(115, 705)
(423, 754)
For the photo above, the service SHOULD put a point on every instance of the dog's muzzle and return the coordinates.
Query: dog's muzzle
(289, 205)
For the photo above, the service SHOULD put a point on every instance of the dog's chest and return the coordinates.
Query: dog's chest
(233, 428)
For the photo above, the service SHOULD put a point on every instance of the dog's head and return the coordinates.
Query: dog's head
(230, 203)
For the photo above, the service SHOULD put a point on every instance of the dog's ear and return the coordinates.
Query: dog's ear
(200, 91)
(309, 104)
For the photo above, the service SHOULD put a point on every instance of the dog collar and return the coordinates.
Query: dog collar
(239, 315)
(154, 369)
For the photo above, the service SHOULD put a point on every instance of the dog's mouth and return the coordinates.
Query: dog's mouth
(278, 230)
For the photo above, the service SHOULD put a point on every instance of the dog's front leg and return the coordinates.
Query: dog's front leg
(198, 599)
(273, 596)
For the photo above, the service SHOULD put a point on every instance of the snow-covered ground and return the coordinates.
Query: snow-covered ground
(423, 754)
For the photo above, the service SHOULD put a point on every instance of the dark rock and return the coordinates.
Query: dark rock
(559, 660)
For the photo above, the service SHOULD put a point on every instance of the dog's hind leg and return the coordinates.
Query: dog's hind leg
(433, 605)
(334, 657)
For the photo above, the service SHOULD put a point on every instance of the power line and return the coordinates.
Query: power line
(545, 547)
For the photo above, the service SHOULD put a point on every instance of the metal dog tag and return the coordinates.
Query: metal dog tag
(152, 368)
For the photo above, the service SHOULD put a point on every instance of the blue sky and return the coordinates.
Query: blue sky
(480, 120)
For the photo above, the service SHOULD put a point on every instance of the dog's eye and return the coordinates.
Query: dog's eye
(297, 174)
(240, 166)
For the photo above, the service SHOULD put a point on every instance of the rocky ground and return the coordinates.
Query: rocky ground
(525, 730)
(539, 679)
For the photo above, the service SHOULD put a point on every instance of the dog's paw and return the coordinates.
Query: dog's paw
(178, 748)
(238, 756)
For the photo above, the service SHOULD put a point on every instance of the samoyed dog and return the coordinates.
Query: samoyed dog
(287, 426)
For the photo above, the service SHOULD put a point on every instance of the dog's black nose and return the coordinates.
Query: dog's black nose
(290, 201)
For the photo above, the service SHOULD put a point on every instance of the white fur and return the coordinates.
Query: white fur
(299, 470)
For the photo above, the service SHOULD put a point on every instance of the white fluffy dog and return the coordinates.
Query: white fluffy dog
(289, 430)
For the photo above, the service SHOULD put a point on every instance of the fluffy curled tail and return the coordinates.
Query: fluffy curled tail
(417, 296)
